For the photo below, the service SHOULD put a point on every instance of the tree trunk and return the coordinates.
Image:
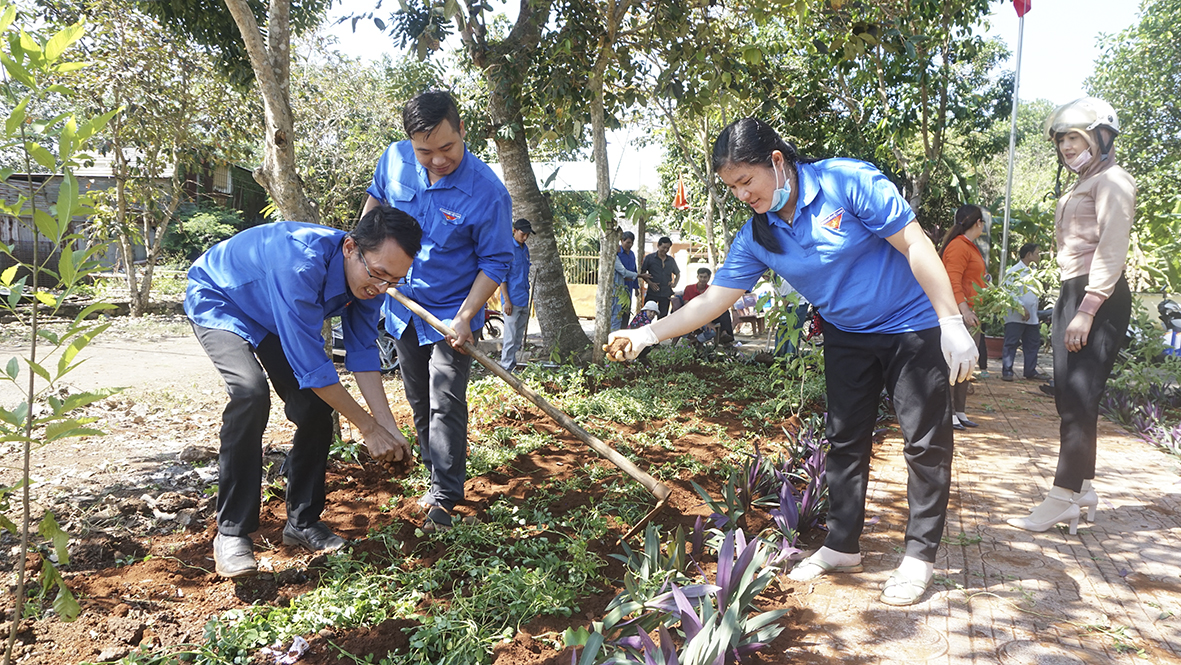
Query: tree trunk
(126, 245)
(561, 332)
(560, 329)
(709, 234)
(271, 62)
(641, 241)
(156, 246)
(608, 230)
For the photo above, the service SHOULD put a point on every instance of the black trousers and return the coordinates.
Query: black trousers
(239, 484)
(435, 377)
(910, 366)
(959, 392)
(1079, 378)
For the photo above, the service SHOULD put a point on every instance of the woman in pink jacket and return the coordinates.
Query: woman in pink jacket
(1092, 224)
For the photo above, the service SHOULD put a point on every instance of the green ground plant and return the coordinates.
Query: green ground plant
(461, 593)
(36, 285)
(490, 579)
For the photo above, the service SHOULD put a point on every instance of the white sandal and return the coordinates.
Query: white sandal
(912, 590)
(813, 567)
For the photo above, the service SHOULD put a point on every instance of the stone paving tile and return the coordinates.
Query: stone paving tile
(1110, 594)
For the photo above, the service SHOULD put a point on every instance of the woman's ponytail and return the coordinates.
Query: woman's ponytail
(751, 141)
(966, 216)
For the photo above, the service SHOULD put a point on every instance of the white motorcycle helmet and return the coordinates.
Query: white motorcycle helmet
(1086, 114)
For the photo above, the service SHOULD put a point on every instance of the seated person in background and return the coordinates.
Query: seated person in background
(724, 324)
(647, 314)
(745, 308)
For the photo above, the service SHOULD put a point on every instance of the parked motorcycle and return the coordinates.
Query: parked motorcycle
(493, 324)
(385, 346)
(1170, 315)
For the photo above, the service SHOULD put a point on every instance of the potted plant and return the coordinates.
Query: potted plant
(991, 306)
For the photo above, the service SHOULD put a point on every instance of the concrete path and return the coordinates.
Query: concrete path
(1111, 594)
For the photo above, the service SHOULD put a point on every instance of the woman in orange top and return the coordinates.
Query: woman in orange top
(965, 267)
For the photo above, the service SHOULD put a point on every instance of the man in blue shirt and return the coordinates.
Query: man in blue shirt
(625, 286)
(259, 301)
(466, 218)
(514, 296)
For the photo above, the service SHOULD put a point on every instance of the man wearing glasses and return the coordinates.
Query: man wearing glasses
(466, 218)
(258, 302)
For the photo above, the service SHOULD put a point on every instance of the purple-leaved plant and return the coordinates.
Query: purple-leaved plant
(713, 621)
(1166, 437)
(787, 522)
(811, 473)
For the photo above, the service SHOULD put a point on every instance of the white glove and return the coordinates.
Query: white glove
(959, 349)
(638, 340)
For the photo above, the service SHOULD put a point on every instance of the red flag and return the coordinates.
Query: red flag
(680, 201)
(1022, 6)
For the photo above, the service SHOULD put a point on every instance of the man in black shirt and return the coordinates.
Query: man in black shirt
(663, 275)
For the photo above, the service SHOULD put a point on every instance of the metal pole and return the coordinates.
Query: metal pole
(1012, 151)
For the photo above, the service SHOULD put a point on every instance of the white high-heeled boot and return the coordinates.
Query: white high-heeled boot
(1058, 507)
(1087, 501)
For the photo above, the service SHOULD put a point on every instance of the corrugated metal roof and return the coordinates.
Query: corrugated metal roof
(103, 165)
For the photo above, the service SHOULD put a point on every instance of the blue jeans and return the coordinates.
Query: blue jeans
(515, 327)
(1030, 337)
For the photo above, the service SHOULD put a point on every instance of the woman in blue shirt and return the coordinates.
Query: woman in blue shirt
(844, 237)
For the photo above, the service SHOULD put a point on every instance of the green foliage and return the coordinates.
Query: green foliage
(1035, 166)
(209, 23)
(349, 111)
(33, 62)
(486, 581)
(1128, 74)
(1143, 363)
(505, 444)
(199, 228)
(907, 86)
(654, 398)
(178, 122)
(650, 570)
(992, 303)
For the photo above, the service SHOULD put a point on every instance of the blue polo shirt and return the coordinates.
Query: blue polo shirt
(466, 219)
(628, 259)
(285, 279)
(518, 276)
(835, 251)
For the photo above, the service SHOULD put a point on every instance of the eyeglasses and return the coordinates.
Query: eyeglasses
(388, 282)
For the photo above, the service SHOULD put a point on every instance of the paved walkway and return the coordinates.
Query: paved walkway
(1111, 594)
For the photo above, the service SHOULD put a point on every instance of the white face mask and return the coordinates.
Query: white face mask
(782, 194)
(1079, 162)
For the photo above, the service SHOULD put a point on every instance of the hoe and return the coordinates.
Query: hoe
(657, 488)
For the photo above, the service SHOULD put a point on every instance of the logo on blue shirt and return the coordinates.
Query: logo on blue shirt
(451, 216)
(833, 221)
